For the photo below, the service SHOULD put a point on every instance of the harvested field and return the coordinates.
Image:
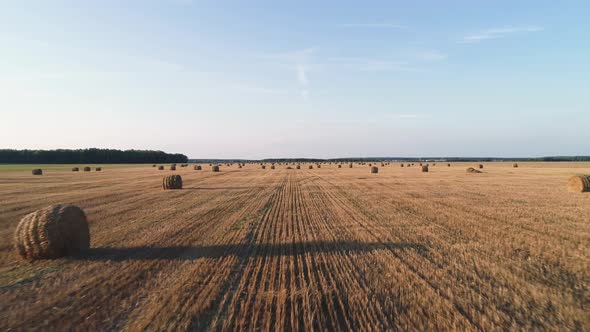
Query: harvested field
(323, 249)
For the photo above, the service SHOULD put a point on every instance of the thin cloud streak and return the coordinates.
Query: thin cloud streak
(496, 33)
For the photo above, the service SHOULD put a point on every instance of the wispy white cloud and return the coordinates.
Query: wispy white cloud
(300, 61)
(496, 33)
(374, 25)
(301, 75)
(432, 56)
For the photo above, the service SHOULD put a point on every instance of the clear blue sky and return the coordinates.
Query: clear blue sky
(257, 79)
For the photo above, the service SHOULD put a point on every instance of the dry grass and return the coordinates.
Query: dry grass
(309, 250)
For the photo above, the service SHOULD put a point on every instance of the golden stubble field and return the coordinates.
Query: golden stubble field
(320, 249)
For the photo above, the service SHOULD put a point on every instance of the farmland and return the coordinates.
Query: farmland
(302, 249)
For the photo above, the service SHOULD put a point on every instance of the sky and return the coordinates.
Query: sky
(325, 79)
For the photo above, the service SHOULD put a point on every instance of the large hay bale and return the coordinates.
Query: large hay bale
(298, 167)
(424, 168)
(401, 165)
(98, 169)
(472, 170)
(480, 166)
(579, 183)
(198, 167)
(215, 168)
(310, 166)
(160, 168)
(75, 169)
(374, 170)
(173, 167)
(272, 167)
(319, 166)
(263, 166)
(37, 171)
(52, 232)
(154, 165)
(350, 165)
(515, 165)
(448, 165)
(87, 169)
(172, 182)
(339, 166)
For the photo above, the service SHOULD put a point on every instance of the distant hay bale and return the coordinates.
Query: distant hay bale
(215, 168)
(515, 165)
(424, 169)
(401, 165)
(448, 165)
(52, 232)
(350, 165)
(98, 169)
(579, 183)
(310, 166)
(410, 165)
(173, 167)
(339, 166)
(87, 169)
(239, 166)
(160, 168)
(154, 165)
(374, 170)
(263, 166)
(37, 171)
(472, 170)
(298, 167)
(319, 166)
(480, 166)
(198, 167)
(272, 167)
(382, 165)
(289, 167)
(75, 169)
(172, 182)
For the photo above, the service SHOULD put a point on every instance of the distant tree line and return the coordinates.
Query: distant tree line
(88, 156)
(394, 159)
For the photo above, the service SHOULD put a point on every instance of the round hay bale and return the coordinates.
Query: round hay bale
(382, 165)
(515, 165)
(448, 165)
(215, 168)
(401, 165)
(310, 166)
(154, 165)
(87, 169)
(160, 168)
(350, 165)
(480, 166)
(298, 167)
(198, 167)
(319, 166)
(472, 170)
(289, 167)
(339, 166)
(37, 171)
(75, 169)
(272, 167)
(263, 166)
(410, 165)
(424, 169)
(579, 183)
(374, 170)
(54, 231)
(173, 167)
(98, 169)
(172, 182)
